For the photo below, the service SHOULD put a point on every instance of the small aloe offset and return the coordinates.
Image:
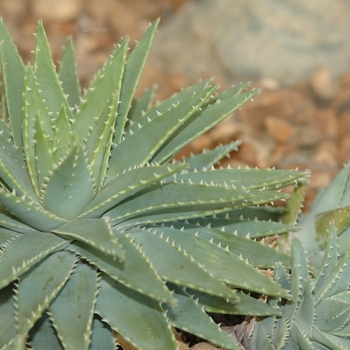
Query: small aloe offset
(101, 231)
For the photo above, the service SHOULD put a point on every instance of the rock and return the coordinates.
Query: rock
(324, 84)
(15, 8)
(57, 10)
(280, 129)
(285, 40)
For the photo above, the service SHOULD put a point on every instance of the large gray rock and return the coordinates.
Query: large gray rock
(249, 39)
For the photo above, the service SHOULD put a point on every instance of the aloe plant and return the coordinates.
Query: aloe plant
(318, 316)
(101, 231)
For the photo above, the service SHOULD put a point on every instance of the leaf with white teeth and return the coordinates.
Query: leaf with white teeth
(87, 177)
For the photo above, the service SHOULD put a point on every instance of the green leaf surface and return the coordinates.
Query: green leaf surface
(337, 281)
(133, 69)
(331, 341)
(12, 170)
(189, 316)
(247, 305)
(63, 136)
(256, 253)
(9, 222)
(332, 315)
(126, 185)
(99, 143)
(138, 318)
(247, 178)
(173, 201)
(39, 285)
(33, 106)
(176, 266)
(106, 85)
(29, 212)
(44, 159)
(46, 77)
(207, 158)
(5, 130)
(43, 335)
(7, 312)
(304, 316)
(14, 260)
(76, 300)
(128, 272)
(12, 74)
(69, 188)
(244, 227)
(201, 122)
(219, 261)
(96, 233)
(102, 336)
(6, 235)
(141, 105)
(137, 148)
(169, 103)
(68, 75)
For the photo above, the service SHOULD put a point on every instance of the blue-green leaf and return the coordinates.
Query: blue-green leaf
(138, 318)
(69, 189)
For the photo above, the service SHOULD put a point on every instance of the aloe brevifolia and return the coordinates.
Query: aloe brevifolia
(100, 231)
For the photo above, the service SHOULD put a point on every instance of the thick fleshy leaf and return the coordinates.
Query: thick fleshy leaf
(99, 143)
(338, 280)
(106, 85)
(102, 334)
(256, 253)
(7, 235)
(219, 261)
(46, 77)
(133, 69)
(7, 312)
(304, 316)
(332, 315)
(7, 221)
(76, 300)
(176, 266)
(69, 188)
(126, 185)
(328, 200)
(16, 260)
(129, 153)
(247, 305)
(331, 341)
(29, 212)
(169, 103)
(252, 228)
(39, 285)
(33, 106)
(200, 122)
(34, 296)
(248, 178)
(185, 200)
(128, 272)
(13, 172)
(63, 135)
(208, 158)
(141, 105)
(44, 154)
(43, 336)
(138, 318)
(96, 233)
(12, 74)
(189, 316)
(68, 75)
